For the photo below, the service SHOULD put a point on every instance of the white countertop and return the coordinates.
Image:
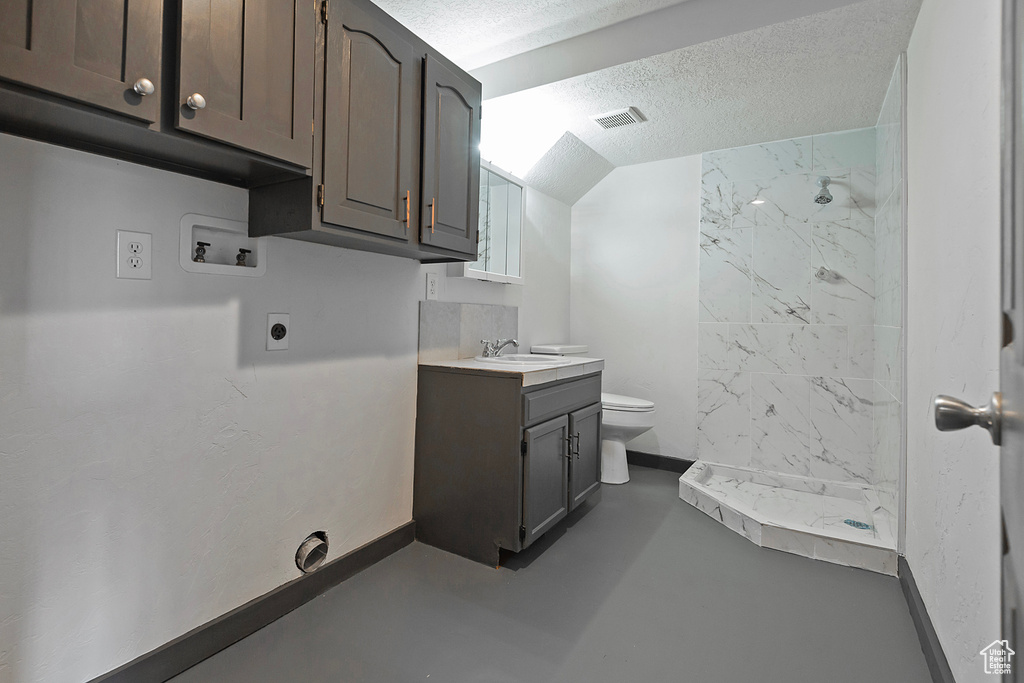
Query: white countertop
(540, 373)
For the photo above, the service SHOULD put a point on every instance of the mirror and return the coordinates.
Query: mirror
(501, 228)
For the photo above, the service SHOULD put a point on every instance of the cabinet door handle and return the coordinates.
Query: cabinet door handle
(407, 210)
(568, 446)
(144, 87)
(195, 101)
(433, 200)
(577, 436)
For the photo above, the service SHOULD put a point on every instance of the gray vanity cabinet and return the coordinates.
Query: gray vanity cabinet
(245, 75)
(547, 449)
(585, 432)
(92, 52)
(498, 464)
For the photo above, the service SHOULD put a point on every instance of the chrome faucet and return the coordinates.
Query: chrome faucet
(492, 349)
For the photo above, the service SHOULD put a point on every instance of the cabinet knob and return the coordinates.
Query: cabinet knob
(196, 101)
(144, 87)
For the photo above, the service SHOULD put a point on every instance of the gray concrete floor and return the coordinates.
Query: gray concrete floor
(636, 587)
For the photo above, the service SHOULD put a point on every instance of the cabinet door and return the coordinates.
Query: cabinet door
(369, 124)
(585, 463)
(251, 63)
(450, 201)
(545, 476)
(92, 51)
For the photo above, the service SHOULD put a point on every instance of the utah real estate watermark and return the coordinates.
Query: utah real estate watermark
(997, 656)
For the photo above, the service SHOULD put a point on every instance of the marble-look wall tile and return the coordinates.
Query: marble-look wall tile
(766, 160)
(841, 429)
(791, 349)
(862, 193)
(724, 282)
(780, 423)
(888, 358)
(715, 206)
(713, 347)
(723, 417)
(862, 351)
(889, 238)
(842, 150)
(782, 274)
(887, 437)
(888, 140)
(842, 258)
(790, 199)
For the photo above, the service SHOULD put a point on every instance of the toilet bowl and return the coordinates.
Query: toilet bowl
(623, 418)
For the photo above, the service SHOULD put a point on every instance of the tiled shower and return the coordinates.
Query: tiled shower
(800, 338)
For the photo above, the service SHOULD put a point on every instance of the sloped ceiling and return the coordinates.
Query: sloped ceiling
(568, 170)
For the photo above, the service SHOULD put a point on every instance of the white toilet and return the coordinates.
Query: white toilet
(622, 418)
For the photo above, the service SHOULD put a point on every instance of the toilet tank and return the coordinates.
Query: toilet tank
(560, 349)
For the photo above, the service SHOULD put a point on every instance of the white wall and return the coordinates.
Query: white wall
(543, 298)
(634, 291)
(158, 467)
(953, 319)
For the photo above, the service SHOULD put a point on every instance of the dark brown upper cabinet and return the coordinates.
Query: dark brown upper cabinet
(378, 184)
(105, 53)
(451, 160)
(370, 124)
(246, 75)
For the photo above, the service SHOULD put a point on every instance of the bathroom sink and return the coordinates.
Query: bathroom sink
(525, 359)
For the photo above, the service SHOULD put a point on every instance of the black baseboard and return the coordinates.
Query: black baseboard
(933, 654)
(169, 660)
(657, 462)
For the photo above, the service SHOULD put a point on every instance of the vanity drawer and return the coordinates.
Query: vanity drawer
(558, 400)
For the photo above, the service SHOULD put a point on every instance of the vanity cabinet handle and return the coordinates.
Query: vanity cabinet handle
(577, 436)
(407, 210)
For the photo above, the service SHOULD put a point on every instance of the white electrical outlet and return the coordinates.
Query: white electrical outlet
(432, 286)
(134, 255)
(278, 331)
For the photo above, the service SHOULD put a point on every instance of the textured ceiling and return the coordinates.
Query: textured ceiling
(476, 32)
(568, 170)
(820, 73)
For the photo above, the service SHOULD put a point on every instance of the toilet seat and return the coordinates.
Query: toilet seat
(625, 403)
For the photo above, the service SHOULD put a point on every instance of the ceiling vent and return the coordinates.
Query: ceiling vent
(618, 118)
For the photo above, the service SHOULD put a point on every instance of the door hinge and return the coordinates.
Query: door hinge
(522, 448)
(320, 195)
(323, 11)
(522, 533)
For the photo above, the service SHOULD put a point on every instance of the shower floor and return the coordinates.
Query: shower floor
(796, 514)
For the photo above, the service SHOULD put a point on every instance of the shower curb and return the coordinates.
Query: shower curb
(202, 642)
(938, 665)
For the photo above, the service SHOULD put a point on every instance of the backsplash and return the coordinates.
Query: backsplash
(449, 331)
(787, 307)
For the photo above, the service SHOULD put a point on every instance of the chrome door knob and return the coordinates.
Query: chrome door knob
(144, 87)
(196, 101)
(952, 414)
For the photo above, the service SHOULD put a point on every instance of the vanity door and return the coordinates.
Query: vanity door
(545, 477)
(585, 456)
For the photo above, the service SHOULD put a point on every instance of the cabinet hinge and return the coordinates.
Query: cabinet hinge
(320, 195)
(522, 533)
(522, 448)
(323, 11)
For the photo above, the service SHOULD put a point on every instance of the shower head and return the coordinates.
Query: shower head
(823, 196)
